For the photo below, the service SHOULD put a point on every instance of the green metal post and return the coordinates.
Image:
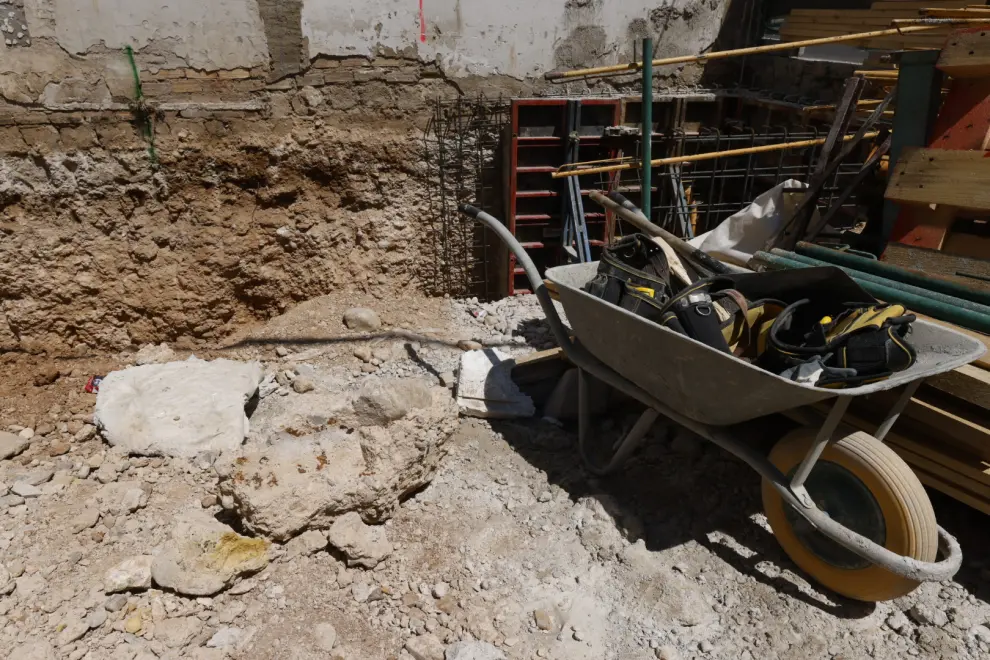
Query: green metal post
(647, 138)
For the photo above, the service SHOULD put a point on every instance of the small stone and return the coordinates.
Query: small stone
(115, 603)
(577, 635)
(469, 345)
(543, 620)
(362, 319)
(425, 647)
(225, 638)
(25, 490)
(899, 623)
(16, 568)
(129, 575)
(209, 501)
(361, 591)
(545, 496)
(303, 384)
(11, 445)
(281, 351)
(475, 650)
(59, 449)
(26, 434)
(85, 433)
(242, 587)
(667, 652)
(88, 518)
(440, 589)
(926, 615)
(33, 650)
(72, 632)
(705, 647)
(325, 635)
(134, 624)
(96, 618)
(134, 499)
(179, 631)
(363, 545)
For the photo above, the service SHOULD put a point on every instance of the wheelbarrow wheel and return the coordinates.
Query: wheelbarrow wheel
(862, 484)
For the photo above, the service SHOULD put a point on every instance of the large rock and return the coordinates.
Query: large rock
(363, 545)
(11, 445)
(310, 477)
(202, 556)
(178, 408)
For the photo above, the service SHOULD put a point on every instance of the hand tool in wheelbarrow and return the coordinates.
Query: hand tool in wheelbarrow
(844, 506)
(626, 210)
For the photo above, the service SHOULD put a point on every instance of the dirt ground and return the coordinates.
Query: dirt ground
(512, 544)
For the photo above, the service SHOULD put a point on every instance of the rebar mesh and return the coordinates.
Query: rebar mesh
(461, 151)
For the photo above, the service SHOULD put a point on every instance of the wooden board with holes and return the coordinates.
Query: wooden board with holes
(966, 54)
(939, 264)
(941, 176)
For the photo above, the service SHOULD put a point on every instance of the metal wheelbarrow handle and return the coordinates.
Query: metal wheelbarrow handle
(532, 272)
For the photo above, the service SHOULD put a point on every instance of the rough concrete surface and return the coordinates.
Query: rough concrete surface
(178, 408)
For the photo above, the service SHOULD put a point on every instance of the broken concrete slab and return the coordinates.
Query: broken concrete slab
(202, 556)
(290, 482)
(179, 408)
(485, 388)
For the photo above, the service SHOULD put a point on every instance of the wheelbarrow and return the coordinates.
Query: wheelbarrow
(843, 506)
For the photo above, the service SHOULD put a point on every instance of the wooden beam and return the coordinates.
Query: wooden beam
(967, 383)
(941, 176)
(966, 54)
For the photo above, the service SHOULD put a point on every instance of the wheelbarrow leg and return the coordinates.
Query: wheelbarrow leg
(895, 412)
(624, 447)
(821, 441)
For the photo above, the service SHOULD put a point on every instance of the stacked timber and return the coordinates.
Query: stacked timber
(804, 24)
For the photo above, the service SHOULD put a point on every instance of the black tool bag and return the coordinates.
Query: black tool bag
(861, 343)
(634, 274)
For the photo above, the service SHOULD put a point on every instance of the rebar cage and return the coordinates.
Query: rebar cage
(463, 149)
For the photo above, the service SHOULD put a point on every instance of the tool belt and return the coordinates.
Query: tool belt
(862, 344)
(634, 274)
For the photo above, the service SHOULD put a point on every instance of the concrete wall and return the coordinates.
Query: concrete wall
(517, 38)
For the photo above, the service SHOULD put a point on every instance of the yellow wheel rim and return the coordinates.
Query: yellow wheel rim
(909, 527)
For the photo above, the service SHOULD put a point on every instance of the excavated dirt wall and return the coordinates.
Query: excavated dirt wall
(261, 186)
(258, 196)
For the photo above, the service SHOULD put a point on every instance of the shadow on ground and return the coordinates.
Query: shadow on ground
(682, 489)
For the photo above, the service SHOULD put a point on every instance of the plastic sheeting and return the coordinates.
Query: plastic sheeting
(744, 234)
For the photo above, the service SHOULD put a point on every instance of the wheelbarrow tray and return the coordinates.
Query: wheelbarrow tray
(709, 386)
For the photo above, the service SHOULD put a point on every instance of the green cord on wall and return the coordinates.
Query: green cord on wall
(144, 113)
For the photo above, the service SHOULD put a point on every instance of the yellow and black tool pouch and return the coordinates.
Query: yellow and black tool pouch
(862, 343)
(633, 274)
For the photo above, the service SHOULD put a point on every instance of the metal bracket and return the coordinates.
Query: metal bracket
(898, 408)
(821, 441)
